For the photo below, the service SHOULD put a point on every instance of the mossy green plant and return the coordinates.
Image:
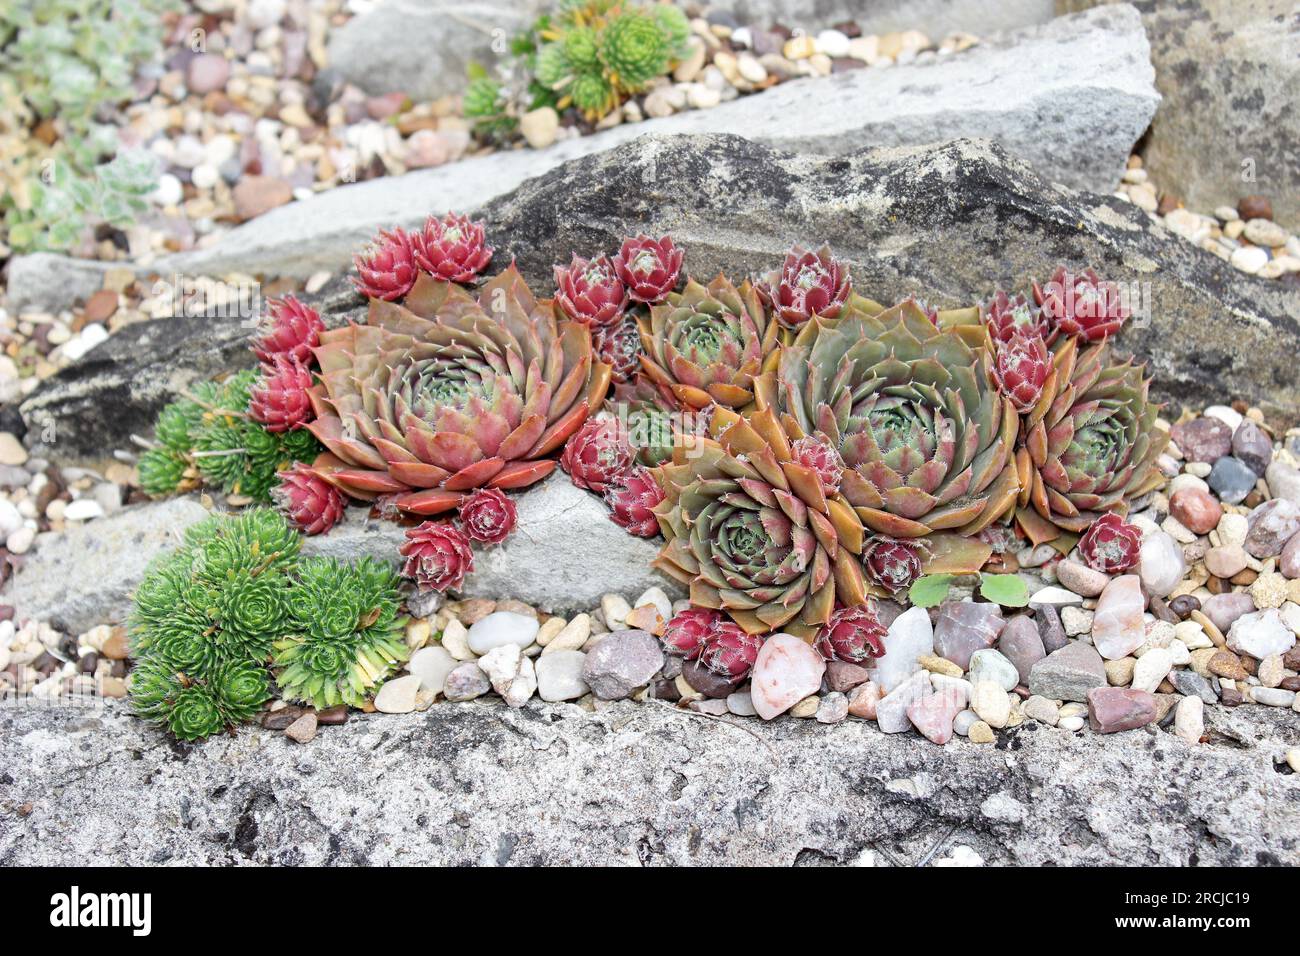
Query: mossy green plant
(210, 616)
(347, 636)
(208, 438)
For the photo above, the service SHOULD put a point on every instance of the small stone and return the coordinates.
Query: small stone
(832, 708)
(1288, 563)
(622, 662)
(933, 715)
(1082, 579)
(909, 638)
(707, 682)
(1226, 664)
(614, 609)
(891, 711)
(833, 43)
(863, 700)
(540, 126)
(980, 733)
(714, 708)
(1261, 633)
(1255, 207)
(1190, 683)
(799, 48)
(397, 696)
(741, 704)
(431, 665)
(961, 724)
(1273, 696)
(1059, 598)
(1270, 526)
(1251, 444)
(207, 73)
(1114, 709)
(469, 612)
(1283, 481)
(455, 638)
(83, 509)
(1249, 259)
(1269, 590)
(786, 671)
(1068, 673)
(1152, 668)
(1232, 479)
(940, 665)
(1221, 610)
(116, 646)
(1050, 628)
(991, 703)
(559, 676)
(255, 195)
(1070, 723)
(1117, 626)
(466, 682)
(1161, 565)
(1264, 232)
(964, 627)
(1271, 670)
(1203, 439)
(502, 627)
(303, 730)
(1225, 561)
(1042, 710)
(805, 708)
(842, 676)
(1120, 673)
(573, 636)
(1022, 645)
(646, 618)
(990, 665)
(1195, 509)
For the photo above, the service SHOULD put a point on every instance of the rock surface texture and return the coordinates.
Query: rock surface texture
(1071, 96)
(949, 224)
(565, 554)
(639, 784)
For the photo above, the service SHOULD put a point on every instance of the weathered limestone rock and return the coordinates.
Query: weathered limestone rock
(494, 785)
(948, 223)
(1071, 97)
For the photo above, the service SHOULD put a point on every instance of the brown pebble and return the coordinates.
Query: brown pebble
(1249, 664)
(101, 306)
(1244, 577)
(302, 730)
(116, 647)
(118, 669)
(1290, 683)
(333, 716)
(1226, 664)
(1163, 611)
(518, 607)
(473, 610)
(1229, 696)
(282, 718)
(1217, 585)
(1254, 207)
(1184, 605)
(1166, 688)
(1168, 203)
(88, 662)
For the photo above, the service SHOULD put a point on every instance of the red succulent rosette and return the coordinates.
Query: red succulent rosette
(618, 345)
(853, 635)
(438, 556)
(1111, 545)
(893, 563)
(1021, 366)
(386, 268)
(488, 515)
(632, 498)
(1008, 316)
(649, 268)
(729, 651)
(310, 503)
(279, 399)
(1081, 304)
(589, 291)
(292, 330)
(451, 248)
(808, 284)
(817, 454)
(684, 635)
(597, 454)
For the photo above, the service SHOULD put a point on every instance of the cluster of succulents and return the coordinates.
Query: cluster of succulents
(241, 434)
(590, 55)
(63, 63)
(236, 597)
(438, 554)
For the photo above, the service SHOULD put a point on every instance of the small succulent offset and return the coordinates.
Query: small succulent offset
(593, 54)
(205, 619)
(345, 635)
(1111, 545)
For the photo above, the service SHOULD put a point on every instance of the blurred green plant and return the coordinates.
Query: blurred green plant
(64, 64)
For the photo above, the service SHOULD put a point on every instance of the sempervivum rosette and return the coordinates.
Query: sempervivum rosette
(925, 438)
(649, 268)
(632, 498)
(853, 635)
(488, 516)
(386, 269)
(808, 284)
(589, 291)
(753, 533)
(292, 330)
(310, 503)
(1111, 545)
(1080, 303)
(707, 344)
(1008, 316)
(446, 393)
(451, 248)
(1090, 444)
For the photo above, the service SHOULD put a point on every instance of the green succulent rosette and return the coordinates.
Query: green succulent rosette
(196, 707)
(346, 636)
(635, 49)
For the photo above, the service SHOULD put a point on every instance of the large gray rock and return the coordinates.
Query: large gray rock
(1071, 97)
(1229, 71)
(933, 17)
(422, 47)
(563, 555)
(949, 223)
(86, 575)
(481, 783)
